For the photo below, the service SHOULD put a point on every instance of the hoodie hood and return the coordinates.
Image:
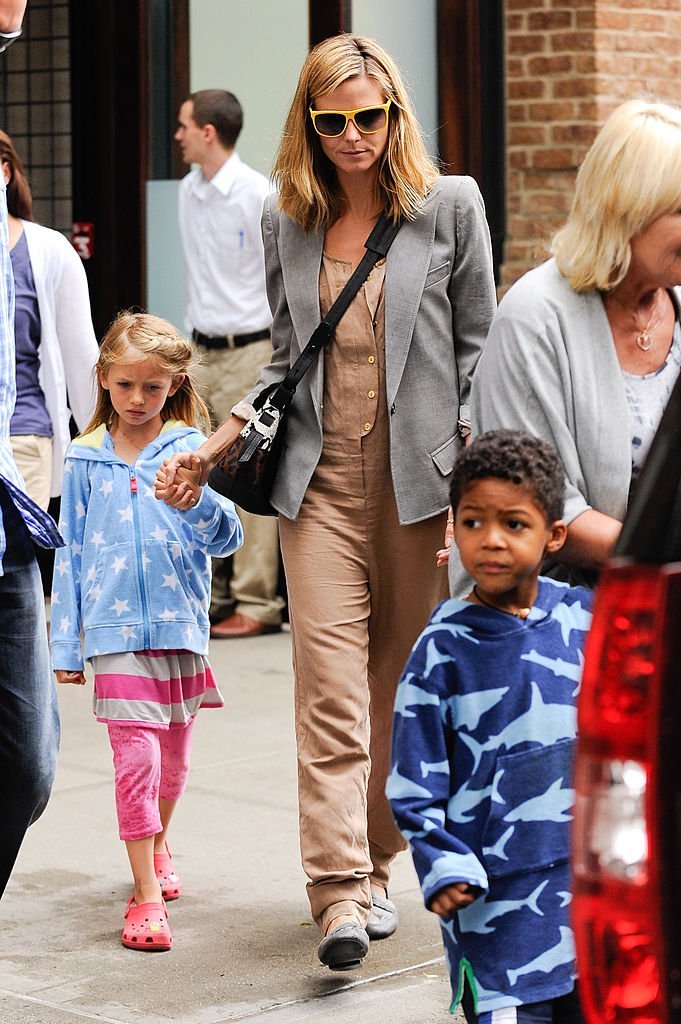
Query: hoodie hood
(489, 623)
(97, 444)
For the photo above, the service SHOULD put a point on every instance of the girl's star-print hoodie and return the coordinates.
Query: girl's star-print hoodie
(134, 574)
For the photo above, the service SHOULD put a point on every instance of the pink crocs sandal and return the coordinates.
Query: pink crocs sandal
(171, 886)
(146, 927)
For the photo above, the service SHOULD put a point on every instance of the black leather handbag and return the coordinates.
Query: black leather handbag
(247, 470)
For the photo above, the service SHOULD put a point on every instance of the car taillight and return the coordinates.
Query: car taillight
(618, 895)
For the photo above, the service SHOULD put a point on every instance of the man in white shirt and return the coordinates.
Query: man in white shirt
(229, 318)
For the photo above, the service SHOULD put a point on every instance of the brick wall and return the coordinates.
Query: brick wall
(568, 64)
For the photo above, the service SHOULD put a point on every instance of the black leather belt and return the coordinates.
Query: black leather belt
(229, 340)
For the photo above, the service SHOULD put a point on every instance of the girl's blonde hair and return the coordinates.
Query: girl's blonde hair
(306, 178)
(629, 178)
(150, 337)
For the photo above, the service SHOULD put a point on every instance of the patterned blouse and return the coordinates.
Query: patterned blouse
(647, 396)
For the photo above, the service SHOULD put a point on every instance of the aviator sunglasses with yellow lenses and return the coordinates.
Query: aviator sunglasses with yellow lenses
(368, 120)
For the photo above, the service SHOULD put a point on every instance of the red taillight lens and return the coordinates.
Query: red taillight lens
(622, 657)
(617, 910)
(617, 923)
(619, 964)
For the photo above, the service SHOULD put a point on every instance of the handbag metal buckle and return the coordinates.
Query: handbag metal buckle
(259, 432)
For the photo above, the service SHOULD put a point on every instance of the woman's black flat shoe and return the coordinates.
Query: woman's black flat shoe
(344, 948)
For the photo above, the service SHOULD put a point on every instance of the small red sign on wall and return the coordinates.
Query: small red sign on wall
(83, 239)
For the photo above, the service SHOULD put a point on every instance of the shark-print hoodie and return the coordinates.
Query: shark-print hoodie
(481, 786)
(135, 573)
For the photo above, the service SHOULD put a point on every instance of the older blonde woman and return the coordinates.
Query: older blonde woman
(585, 349)
(373, 433)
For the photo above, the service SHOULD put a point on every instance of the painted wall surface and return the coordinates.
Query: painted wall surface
(254, 48)
(165, 272)
(408, 31)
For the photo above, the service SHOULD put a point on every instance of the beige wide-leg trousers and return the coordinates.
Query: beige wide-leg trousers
(361, 588)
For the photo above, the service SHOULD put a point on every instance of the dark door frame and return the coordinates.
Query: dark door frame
(117, 65)
(471, 102)
(328, 18)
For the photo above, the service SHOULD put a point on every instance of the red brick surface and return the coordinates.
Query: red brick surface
(569, 63)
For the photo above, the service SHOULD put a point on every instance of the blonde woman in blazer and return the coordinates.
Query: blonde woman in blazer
(372, 436)
(439, 297)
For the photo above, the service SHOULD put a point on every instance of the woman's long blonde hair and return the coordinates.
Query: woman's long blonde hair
(629, 178)
(150, 337)
(306, 178)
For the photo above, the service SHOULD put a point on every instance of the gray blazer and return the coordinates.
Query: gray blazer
(439, 302)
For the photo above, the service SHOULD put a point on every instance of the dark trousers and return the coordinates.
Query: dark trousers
(561, 1010)
(29, 717)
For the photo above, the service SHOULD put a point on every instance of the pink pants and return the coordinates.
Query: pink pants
(148, 764)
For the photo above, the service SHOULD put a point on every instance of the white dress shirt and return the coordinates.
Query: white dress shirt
(223, 250)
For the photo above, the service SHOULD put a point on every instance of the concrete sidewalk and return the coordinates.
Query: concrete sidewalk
(244, 948)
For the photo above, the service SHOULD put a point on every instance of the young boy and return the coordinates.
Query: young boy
(485, 722)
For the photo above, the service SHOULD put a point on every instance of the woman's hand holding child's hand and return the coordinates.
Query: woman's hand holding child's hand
(191, 469)
(185, 489)
(70, 677)
(452, 898)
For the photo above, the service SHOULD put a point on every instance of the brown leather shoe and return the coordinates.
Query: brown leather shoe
(238, 625)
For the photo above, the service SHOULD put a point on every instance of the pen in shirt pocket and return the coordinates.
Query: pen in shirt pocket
(241, 239)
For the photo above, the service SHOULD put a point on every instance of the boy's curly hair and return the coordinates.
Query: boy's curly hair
(518, 457)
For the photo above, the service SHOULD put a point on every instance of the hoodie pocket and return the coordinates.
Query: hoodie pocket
(531, 811)
(177, 587)
(111, 590)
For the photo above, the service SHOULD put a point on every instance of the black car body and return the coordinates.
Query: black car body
(627, 828)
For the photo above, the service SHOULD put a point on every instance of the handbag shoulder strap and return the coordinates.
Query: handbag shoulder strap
(376, 245)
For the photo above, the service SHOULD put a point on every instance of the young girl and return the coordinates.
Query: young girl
(134, 579)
